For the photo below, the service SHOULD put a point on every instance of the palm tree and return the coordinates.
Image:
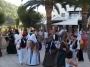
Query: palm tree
(49, 4)
(84, 4)
(27, 18)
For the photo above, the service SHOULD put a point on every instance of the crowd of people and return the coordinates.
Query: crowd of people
(62, 49)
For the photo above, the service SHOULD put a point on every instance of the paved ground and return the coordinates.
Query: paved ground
(12, 61)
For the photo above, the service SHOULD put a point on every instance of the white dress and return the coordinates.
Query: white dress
(32, 55)
(68, 65)
(35, 54)
(28, 56)
(35, 58)
(28, 51)
(17, 40)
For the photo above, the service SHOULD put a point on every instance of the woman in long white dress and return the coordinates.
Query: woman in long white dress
(33, 54)
(17, 37)
(28, 51)
(35, 50)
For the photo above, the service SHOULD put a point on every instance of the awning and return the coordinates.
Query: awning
(72, 21)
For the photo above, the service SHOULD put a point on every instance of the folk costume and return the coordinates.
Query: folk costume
(11, 48)
(50, 54)
(55, 37)
(17, 37)
(75, 46)
(29, 52)
(21, 49)
(33, 50)
(61, 55)
(80, 52)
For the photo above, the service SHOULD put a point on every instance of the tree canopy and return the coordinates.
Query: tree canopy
(2, 18)
(49, 4)
(84, 4)
(29, 18)
(9, 10)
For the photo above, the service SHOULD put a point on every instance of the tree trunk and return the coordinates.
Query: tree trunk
(70, 28)
(84, 19)
(17, 22)
(48, 8)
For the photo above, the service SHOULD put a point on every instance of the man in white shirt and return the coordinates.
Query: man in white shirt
(62, 31)
(41, 35)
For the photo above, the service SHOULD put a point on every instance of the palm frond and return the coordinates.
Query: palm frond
(57, 8)
(64, 5)
(31, 3)
(75, 7)
(33, 7)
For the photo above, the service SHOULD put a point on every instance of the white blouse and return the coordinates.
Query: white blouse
(68, 65)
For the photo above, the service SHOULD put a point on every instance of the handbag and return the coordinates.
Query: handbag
(81, 42)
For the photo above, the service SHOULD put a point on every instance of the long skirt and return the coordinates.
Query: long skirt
(28, 56)
(50, 59)
(61, 59)
(80, 55)
(11, 48)
(35, 58)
